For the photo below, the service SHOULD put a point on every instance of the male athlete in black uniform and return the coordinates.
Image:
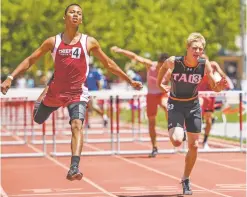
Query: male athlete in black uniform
(185, 73)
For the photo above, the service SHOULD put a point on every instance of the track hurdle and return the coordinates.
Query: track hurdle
(67, 141)
(19, 141)
(115, 138)
(52, 132)
(139, 138)
(91, 153)
(236, 97)
(15, 110)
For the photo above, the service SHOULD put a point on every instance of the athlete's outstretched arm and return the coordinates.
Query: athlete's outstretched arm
(164, 75)
(28, 62)
(218, 69)
(209, 73)
(226, 82)
(94, 47)
(132, 55)
(216, 86)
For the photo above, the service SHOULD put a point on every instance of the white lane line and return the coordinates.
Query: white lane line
(159, 172)
(232, 160)
(207, 161)
(67, 168)
(3, 193)
(60, 194)
(148, 168)
(232, 186)
(222, 165)
(170, 176)
(121, 193)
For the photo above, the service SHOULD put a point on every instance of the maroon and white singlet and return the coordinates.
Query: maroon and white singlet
(71, 66)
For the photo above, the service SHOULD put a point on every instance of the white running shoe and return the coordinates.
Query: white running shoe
(206, 146)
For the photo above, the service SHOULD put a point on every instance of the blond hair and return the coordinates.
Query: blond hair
(194, 37)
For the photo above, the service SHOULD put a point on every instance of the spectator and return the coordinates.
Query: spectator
(21, 82)
(30, 82)
(93, 83)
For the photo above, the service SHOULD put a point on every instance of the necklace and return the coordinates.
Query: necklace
(188, 63)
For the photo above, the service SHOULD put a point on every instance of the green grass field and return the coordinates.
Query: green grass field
(161, 120)
(161, 117)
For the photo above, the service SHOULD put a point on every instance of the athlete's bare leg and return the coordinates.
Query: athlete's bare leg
(98, 110)
(165, 109)
(77, 137)
(76, 148)
(152, 132)
(208, 121)
(164, 106)
(190, 159)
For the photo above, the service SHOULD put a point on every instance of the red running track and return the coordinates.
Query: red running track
(215, 174)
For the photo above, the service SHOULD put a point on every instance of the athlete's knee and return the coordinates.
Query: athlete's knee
(76, 124)
(193, 146)
(208, 121)
(151, 119)
(176, 143)
(38, 119)
(176, 135)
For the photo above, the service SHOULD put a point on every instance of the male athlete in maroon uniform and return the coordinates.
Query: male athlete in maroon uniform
(70, 51)
(71, 69)
(155, 96)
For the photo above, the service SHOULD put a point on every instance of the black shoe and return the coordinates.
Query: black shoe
(154, 152)
(184, 139)
(186, 187)
(214, 119)
(74, 173)
(105, 123)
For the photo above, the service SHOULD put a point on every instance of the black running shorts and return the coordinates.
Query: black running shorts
(76, 111)
(185, 113)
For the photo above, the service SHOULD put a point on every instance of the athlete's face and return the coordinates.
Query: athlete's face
(195, 50)
(73, 15)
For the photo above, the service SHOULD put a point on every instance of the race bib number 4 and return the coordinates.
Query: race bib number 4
(76, 53)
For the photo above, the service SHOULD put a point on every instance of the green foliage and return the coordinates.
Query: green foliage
(161, 122)
(143, 26)
(233, 117)
(161, 117)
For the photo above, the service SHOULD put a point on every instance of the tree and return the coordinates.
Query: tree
(144, 26)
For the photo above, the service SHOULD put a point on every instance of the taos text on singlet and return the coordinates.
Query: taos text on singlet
(184, 79)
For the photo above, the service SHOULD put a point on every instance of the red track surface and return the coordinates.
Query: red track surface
(215, 174)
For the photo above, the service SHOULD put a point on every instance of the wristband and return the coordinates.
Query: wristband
(11, 77)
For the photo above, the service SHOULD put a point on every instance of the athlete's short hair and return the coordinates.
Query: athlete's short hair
(196, 37)
(66, 10)
(163, 57)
